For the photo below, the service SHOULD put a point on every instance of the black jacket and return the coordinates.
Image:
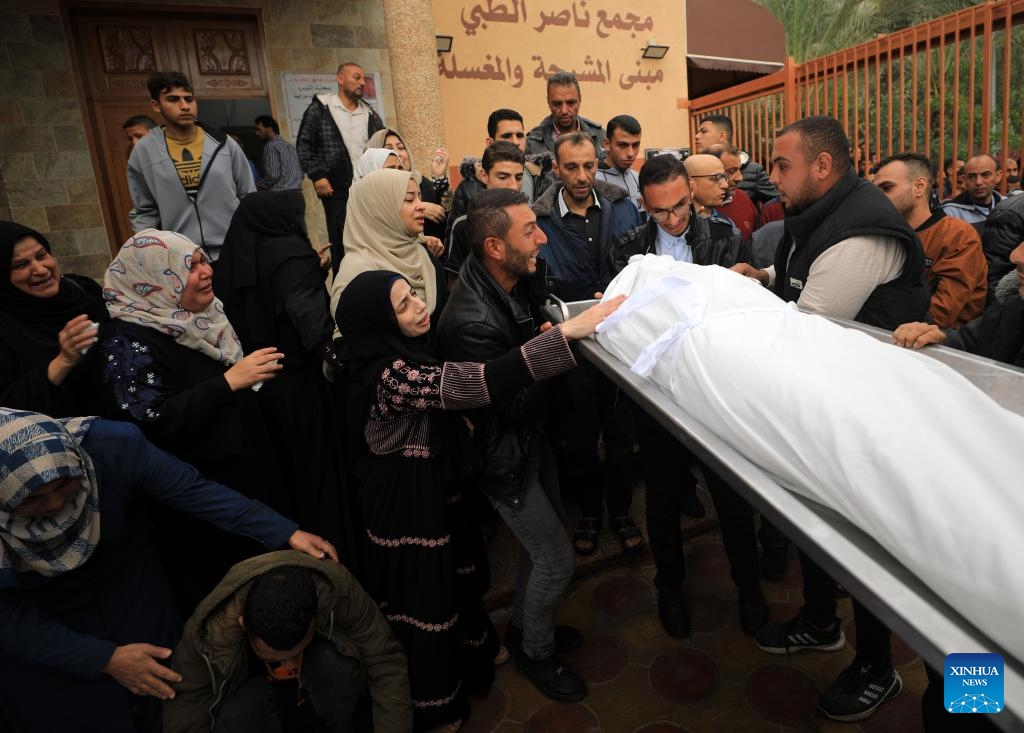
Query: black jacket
(321, 148)
(578, 269)
(482, 322)
(998, 333)
(1002, 233)
(853, 207)
(713, 243)
(755, 183)
(539, 140)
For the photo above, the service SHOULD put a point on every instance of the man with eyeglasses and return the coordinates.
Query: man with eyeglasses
(674, 230)
(738, 208)
(708, 184)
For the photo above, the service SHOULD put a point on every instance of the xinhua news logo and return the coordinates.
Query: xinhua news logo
(974, 683)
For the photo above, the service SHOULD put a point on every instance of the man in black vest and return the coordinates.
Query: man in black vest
(847, 253)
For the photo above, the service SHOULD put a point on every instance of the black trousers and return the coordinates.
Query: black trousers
(597, 407)
(873, 637)
(334, 211)
(665, 464)
(332, 683)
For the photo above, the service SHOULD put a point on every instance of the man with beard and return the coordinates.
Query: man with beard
(334, 130)
(582, 218)
(845, 253)
(956, 268)
(496, 308)
(564, 102)
(981, 178)
(738, 207)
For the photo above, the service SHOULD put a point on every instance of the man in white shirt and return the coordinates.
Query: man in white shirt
(847, 253)
(334, 129)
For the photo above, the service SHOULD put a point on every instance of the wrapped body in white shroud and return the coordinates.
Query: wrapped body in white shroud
(901, 445)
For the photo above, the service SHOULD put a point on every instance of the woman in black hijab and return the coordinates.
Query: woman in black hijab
(47, 324)
(269, 279)
(426, 566)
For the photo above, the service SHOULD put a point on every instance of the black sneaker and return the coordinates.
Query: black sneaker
(567, 639)
(797, 634)
(672, 613)
(858, 692)
(552, 678)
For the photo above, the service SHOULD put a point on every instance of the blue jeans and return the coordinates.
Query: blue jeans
(546, 561)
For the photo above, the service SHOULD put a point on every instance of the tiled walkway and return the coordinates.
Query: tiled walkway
(717, 680)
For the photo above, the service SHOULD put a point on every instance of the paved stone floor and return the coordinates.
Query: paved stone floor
(644, 681)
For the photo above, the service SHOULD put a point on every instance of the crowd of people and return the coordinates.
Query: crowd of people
(399, 391)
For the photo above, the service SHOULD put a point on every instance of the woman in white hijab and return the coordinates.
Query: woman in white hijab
(375, 159)
(382, 232)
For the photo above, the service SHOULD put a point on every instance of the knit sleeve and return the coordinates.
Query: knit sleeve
(463, 385)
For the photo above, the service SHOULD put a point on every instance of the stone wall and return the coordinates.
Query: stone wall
(47, 180)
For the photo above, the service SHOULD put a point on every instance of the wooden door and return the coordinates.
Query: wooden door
(118, 47)
(113, 166)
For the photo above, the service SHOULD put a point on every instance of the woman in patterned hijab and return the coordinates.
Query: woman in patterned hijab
(171, 362)
(147, 283)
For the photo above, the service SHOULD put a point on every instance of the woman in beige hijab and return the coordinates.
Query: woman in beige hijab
(382, 232)
(433, 187)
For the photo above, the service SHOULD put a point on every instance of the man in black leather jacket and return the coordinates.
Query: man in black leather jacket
(675, 230)
(494, 307)
(709, 242)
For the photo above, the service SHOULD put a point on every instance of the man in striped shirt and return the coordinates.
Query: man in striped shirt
(280, 163)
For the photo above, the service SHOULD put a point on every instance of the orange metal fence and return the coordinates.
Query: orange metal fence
(942, 88)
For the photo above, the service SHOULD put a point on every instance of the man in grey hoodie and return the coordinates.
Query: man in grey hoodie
(184, 177)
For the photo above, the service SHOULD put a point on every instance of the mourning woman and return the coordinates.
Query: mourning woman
(270, 282)
(426, 562)
(170, 361)
(47, 324)
(382, 232)
(433, 187)
(85, 616)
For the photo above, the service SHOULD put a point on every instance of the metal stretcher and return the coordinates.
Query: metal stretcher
(869, 572)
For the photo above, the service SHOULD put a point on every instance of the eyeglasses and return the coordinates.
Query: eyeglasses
(715, 177)
(661, 215)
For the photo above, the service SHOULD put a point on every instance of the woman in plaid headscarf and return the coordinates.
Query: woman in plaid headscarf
(85, 614)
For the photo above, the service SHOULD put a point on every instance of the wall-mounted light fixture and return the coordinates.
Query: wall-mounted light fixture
(654, 51)
(444, 44)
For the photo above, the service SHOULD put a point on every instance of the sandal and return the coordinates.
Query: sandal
(584, 539)
(626, 530)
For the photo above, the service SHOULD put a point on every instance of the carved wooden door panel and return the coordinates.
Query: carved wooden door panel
(117, 48)
(224, 59)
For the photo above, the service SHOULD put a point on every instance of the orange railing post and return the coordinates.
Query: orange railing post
(924, 63)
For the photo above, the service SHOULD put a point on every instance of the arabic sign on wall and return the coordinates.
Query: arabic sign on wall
(504, 51)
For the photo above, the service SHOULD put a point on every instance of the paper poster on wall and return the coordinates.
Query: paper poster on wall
(299, 90)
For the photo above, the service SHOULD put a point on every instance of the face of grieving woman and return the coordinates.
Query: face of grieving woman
(410, 310)
(34, 271)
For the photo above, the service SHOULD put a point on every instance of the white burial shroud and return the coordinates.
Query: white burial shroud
(901, 445)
